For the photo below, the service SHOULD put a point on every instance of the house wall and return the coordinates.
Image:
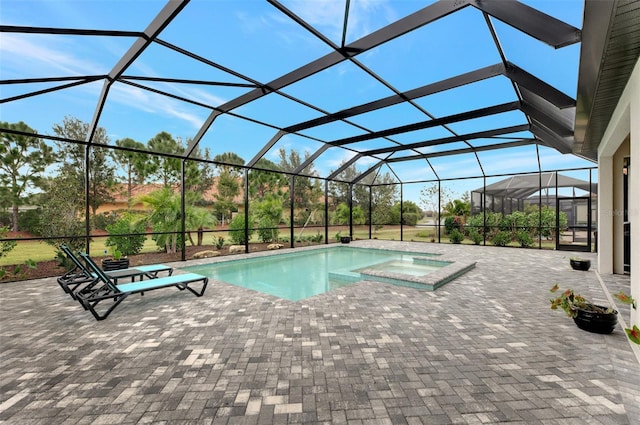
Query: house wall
(617, 212)
(622, 128)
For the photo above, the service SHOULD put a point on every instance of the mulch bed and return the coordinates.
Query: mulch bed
(52, 267)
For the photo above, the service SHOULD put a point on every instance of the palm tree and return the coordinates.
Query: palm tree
(165, 216)
(198, 218)
(457, 207)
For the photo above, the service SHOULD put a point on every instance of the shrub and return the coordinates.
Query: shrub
(5, 219)
(451, 223)
(502, 238)
(104, 220)
(410, 219)
(267, 230)
(6, 246)
(505, 224)
(456, 236)
(524, 238)
(475, 236)
(126, 244)
(269, 208)
(493, 222)
(219, 242)
(237, 230)
(424, 233)
(29, 221)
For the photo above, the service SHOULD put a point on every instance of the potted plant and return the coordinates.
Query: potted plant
(578, 263)
(586, 315)
(116, 262)
(634, 332)
(343, 239)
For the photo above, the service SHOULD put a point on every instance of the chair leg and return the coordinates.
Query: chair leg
(91, 306)
(193, 291)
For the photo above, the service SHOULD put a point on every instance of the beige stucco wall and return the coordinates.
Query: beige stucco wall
(624, 127)
(617, 213)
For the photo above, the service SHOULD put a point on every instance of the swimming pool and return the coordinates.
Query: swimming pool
(298, 275)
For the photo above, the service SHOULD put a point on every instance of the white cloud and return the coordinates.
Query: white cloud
(154, 104)
(50, 56)
(53, 56)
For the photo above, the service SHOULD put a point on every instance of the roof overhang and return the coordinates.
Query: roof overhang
(610, 49)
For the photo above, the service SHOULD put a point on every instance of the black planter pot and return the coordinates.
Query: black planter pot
(600, 323)
(345, 239)
(112, 264)
(583, 265)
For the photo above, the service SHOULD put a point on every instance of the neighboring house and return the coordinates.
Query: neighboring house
(121, 197)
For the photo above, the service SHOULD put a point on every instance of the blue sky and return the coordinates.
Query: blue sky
(258, 41)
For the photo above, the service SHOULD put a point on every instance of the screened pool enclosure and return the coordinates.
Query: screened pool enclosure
(197, 123)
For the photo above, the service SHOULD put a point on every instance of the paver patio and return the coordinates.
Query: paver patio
(485, 348)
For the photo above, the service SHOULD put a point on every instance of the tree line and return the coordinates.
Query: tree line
(57, 176)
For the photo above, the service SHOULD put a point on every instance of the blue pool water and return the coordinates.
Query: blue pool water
(298, 275)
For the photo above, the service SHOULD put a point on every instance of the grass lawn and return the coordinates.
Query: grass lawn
(40, 251)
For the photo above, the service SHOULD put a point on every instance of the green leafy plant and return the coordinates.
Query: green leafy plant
(452, 223)
(524, 238)
(475, 236)
(116, 254)
(237, 230)
(571, 302)
(18, 272)
(456, 236)
(267, 230)
(219, 242)
(120, 238)
(634, 332)
(502, 238)
(6, 246)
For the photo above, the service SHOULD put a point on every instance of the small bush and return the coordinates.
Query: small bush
(267, 232)
(5, 219)
(29, 221)
(475, 236)
(219, 242)
(424, 233)
(524, 238)
(410, 219)
(456, 236)
(6, 246)
(505, 224)
(104, 220)
(127, 244)
(502, 238)
(451, 223)
(237, 230)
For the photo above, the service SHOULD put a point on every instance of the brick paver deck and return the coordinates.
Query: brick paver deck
(485, 348)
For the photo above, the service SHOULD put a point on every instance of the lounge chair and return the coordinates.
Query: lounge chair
(74, 280)
(111, 291)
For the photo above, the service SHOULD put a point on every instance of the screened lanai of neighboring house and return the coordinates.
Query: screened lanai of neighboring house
(573, 199)
(388, 96)
(520, 187)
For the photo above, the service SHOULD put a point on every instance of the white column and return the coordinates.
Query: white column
(634, 189)
(605, 215)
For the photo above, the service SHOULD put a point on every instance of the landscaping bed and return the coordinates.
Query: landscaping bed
(51, 268)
